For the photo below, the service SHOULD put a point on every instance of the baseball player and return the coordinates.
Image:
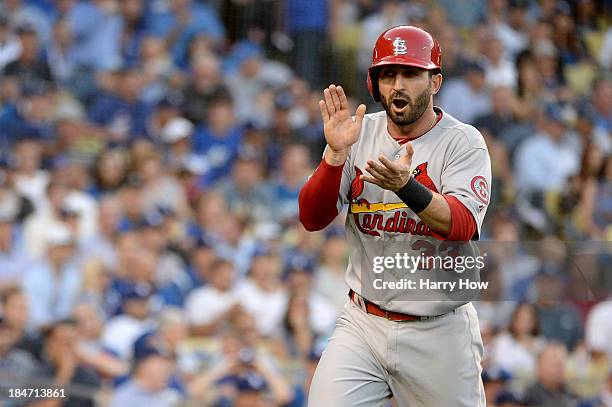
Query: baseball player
(414, 178)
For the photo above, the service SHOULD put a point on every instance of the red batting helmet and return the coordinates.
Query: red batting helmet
(403, 45)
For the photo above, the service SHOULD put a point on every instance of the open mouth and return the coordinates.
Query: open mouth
(399, 103)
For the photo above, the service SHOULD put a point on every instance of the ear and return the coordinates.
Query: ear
(436, 82)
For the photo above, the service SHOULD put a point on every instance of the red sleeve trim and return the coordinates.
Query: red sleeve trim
(463, 224)
(319, 196)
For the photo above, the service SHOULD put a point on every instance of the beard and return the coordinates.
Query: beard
(411, 114)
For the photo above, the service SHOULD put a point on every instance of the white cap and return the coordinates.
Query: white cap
(176, 129)
(58, 235)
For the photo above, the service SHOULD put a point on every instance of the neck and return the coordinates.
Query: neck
(416, 129)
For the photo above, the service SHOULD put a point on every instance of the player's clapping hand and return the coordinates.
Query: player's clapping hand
(391, 175)
(341, 131)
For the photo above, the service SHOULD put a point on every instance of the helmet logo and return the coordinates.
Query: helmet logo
(399, 46)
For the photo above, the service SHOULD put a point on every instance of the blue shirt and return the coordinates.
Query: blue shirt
(52, 295)
(97, 36)
(219, 152)
(286, 199)
(303, 15)
(112, 111)
(14, 127)
(160, 21)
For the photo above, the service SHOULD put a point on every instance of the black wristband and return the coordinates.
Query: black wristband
(415, 195)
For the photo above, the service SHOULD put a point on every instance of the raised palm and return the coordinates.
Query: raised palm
(341, 131)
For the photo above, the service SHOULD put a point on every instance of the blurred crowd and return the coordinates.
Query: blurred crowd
(152, 153)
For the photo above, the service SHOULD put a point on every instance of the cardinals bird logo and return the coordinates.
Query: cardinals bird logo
(420, 174)
(357, 184)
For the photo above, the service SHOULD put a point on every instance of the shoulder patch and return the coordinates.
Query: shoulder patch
(480, 187)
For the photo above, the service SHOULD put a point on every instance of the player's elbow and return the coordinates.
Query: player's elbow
(309, 224)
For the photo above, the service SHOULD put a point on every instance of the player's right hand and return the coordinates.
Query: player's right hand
(340, 130)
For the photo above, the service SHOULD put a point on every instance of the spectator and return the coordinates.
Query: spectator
(53, 283)
(263, 295)
(455, 59)
(169, 335)
(557, 156)
(246, 193)
(160, 75)
(512, 29)
(499, 70)
(295, 166)
(473, 88)
(177, 135)
(61, 364)
(30, 179)
(101, 246)
(298, 332)
(30, 66)
(96, 28)
(548, 62)
(205, 84)
(251, 77)
(219, 140)
(110, 171)
(122, 113)
(148, 384)
(15, 315)
(61, 55)
(550, 389)
(559, 320)
(319, 312)
(219, 298)
(17, 366)
(159, 188)
(501, 117)
(180, 21)
(168, 338)
(19, 13)
(516, 350)
(121, 331)
(90, 351)
(530, 89)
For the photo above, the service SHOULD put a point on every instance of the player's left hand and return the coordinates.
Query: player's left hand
(390, 175)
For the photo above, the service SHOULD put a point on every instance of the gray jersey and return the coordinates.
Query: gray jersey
(452, 158)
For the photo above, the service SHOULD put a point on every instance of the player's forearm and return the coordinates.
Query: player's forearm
(437, 215)
(318, 197)
(445, 215)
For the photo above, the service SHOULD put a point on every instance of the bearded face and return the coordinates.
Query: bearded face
(403, 109)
